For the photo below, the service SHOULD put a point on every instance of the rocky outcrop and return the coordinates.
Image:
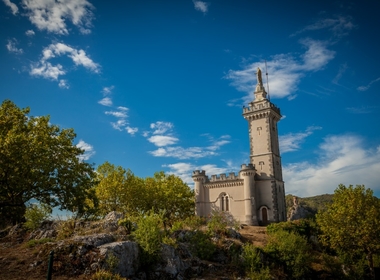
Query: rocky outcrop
(123, 255)
(297, 211)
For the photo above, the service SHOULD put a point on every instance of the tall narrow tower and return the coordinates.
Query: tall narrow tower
(262, 117)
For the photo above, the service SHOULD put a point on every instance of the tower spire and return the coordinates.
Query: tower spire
(260, 92)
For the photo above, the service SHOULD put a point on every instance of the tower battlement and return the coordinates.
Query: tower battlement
(199, 173)
(261, 106)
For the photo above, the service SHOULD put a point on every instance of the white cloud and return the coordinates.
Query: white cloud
(343, 159)
(361, 110)
(106, 101)
(88, 150)
(52, 16)
(184, 170)
(12, 6)
(29, 33)
(365, 88)
(45, 69)
(201, 6)
(117, 114)
(161, 127)
(12, 47)
(182, 153)
(285, 70)
(162, 140)
(292, 141)
(107, 90)
(122, 108)
(131, 130)
(119, 125)
(63, 84)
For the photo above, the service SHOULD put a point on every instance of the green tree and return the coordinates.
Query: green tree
(117, 189)
(39, 161)
(169, 195)
(351, 223)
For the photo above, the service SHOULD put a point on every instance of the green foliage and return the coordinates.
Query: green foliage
(36, 214)
(189, 223)
(290, 250)
(149, 236)
(39, 161)
(106, 275)
(112, 262)
(219, 222)
(303, 227)
(116, 189)
(351, 224)
(128, 224)
(252, 258)
(201, 245)
(34, 242)
(262, 274)
(66, 229)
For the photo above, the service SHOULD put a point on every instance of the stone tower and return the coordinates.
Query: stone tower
(256, 196)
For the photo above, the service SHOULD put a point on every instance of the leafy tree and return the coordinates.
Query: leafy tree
(351, 223)
(169, 195)
(39, 161)
(117, 189)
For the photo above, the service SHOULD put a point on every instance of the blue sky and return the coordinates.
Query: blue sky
(160, 85)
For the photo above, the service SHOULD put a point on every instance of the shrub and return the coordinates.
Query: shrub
(128, 224)
(303, 227)
(190, 223)
(35, 214)
(252, 258)
(201, 245)
(66, 229)
(149, 235)
(262, 274)
(290, 250)
(106, 275)
(219, 222)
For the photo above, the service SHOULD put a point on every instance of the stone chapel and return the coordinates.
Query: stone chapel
(256, 195)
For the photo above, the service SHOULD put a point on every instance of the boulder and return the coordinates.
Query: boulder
(126, 254)
(95, 240)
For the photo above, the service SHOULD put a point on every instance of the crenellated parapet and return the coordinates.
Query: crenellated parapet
(260, 109)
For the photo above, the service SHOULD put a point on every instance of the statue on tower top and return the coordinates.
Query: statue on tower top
(259, 77)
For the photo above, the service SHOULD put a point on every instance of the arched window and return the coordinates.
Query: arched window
(224, 202)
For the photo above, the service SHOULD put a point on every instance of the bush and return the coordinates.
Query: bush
(262, 274)
(35, 214)
(303, 227)
(149, 235)
(251, 258)
(201, 245)
(106, 275)
(65, 229)
(219, 222)
(290, 250)
(190, 223)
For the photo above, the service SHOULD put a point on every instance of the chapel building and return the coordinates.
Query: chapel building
(256, 195)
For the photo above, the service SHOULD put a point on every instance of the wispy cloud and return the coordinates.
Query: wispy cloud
(12, 47)
(47, 70)
(53, 16)
(340, 73)
(106, 101)
(292, 142)
(342, 159)
(63, 84)
(184, 170)
(118, 114)
(339, 26)
(88, 150)
(361, 110)
(162, 140)
(132, 130)
(30, 33)
(12, 6)
(365, 88)
(201, 6)
(162, 137)
(285, 70)
(107, 90)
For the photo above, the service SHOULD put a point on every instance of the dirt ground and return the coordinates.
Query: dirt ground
(18, 261)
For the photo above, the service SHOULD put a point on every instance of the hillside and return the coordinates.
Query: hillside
(312, 204)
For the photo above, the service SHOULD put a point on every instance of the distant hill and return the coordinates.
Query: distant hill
(312, 204)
